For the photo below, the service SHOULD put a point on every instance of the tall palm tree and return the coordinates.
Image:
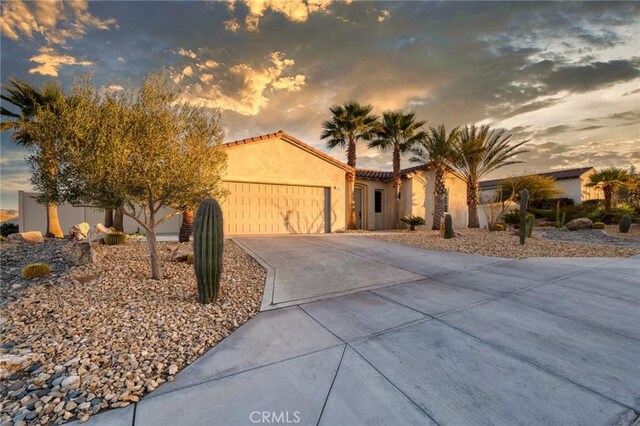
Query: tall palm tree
(349, 124)
(437, 149)
(28, 99)
(398, 131)
(609, 180)
(477, 152)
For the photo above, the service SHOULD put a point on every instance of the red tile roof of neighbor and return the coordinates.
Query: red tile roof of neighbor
(557, 175)
(295, 141)
(385, 175)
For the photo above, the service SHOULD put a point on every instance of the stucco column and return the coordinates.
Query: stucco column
(351, 202)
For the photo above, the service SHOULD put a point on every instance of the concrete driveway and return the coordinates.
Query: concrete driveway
(359, 331)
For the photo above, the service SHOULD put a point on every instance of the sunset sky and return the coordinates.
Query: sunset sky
(565, 75)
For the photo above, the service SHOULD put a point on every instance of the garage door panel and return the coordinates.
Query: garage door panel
(254, 208)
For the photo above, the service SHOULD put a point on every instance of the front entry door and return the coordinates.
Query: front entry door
(357, 195)
(379, 208)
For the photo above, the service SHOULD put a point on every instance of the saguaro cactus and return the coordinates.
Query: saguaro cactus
(207, 249)
(448, 227)
(524, 202)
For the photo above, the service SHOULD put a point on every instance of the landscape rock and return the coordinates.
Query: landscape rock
(97, 232)
(82, 252)
(32, 237)
(181, 253)
(80, 231)
(71, 381)
(580, 223)
(10, 364)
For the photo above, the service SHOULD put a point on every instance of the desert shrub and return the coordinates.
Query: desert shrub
(512, 217)
(9, 228)
(552, 203)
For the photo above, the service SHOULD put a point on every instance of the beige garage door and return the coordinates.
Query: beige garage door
(257, 208)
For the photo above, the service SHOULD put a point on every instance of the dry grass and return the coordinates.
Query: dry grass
(503, 244)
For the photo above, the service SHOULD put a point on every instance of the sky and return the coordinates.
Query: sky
(565, 76)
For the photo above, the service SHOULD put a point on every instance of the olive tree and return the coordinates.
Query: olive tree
(142, 150)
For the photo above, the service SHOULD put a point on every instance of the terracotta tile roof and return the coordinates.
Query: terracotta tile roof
(557, 175)
(295, 141)
(386, 175)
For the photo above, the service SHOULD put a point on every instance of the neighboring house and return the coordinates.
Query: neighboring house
(374, 197)
(280, 185)
(572, 183)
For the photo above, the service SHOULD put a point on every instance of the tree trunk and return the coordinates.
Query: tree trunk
(156, 272)
(186, 226)
(608, 196)
(473, 198)
(397, 182)
(438, 199)
(108, 218)
(54, 230)
(118, 219)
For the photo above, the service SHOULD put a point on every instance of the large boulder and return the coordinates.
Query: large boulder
(81, 252)
(33, 237)
(80, 231)
(97, 232)
(580, 223)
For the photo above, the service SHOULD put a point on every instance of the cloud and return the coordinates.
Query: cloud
(121, 59)
(114, 88)
(188, 53)
(248, 88)
(384, 14)
(293, 10)
(582, 78)
(54, 20)
(49, 62)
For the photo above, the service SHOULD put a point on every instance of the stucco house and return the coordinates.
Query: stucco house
(374, 197)
(280, 185)
(572, 183)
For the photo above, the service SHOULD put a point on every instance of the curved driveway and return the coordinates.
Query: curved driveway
(359, 331)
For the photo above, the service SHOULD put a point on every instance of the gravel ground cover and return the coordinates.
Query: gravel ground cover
(591, 236)
(504, 244)
(14, 257)
(105, 343)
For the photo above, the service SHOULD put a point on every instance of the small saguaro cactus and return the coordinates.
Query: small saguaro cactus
(448, 227)
(530, 220)
(524, 202)
(35, 270)
(625, 224)
(207, 249)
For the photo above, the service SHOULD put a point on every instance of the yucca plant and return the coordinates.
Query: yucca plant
(413, 221)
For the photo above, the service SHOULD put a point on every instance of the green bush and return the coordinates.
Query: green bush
(512, 217)
(8, 228)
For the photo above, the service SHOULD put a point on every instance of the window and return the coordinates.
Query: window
(378, 202)
(445, 202)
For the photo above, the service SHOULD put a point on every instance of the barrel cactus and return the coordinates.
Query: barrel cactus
(625, 224)
(35, 270)
(448, 227)
(207, 249)
(599, 225)
(115, 238)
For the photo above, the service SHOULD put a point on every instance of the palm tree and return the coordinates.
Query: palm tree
(436, 149)
(349, 124)
(400, 132)
(29, 99)
(477, 152)
(186, 227)
(609, 180)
